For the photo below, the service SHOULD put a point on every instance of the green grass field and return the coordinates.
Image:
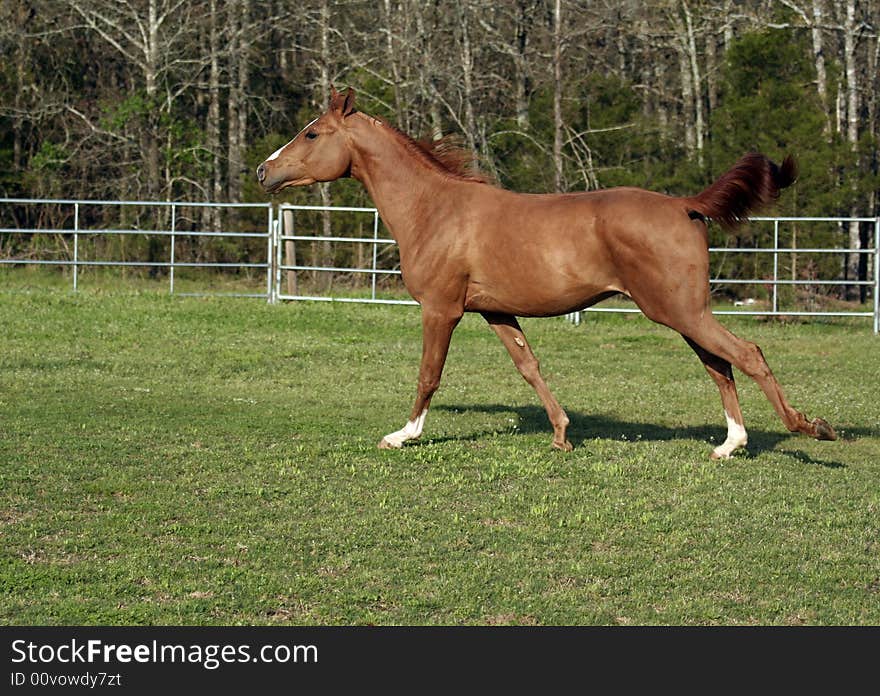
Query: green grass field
(169, 460)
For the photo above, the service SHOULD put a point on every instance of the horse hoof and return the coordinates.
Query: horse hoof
(384, 444)
(823, 430)
(563, 446)
(717, 456)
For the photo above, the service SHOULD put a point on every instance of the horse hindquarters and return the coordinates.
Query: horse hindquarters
(671, 286)
(748, 357)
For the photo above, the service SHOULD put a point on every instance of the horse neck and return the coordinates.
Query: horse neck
(403, 188)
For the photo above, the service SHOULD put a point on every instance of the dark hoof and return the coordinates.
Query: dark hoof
(823, 430)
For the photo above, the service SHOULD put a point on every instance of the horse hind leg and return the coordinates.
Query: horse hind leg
(507, 328)
(721, 373)
(747, 357)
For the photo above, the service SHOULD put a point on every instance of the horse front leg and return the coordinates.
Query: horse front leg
(437, 328)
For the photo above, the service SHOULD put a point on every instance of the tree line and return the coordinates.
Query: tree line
(180, 100)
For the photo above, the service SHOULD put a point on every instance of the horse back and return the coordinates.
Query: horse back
(545, 254)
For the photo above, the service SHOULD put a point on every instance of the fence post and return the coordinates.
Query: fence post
(271, 243)
(775, 266)
(75, 244)
(171, 268)
(276, 233)
(877, 276)
(375, 251)
(287, 229)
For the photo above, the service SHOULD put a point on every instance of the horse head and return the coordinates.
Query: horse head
(319, 152)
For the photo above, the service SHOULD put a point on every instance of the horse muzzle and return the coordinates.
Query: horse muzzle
(270, 178)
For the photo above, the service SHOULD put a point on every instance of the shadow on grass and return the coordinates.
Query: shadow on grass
(533, 419)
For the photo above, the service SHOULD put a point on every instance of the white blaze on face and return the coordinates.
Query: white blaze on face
(736, 438)
(277, 152)
(411, 431)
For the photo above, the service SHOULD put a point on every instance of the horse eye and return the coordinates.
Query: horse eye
(311, 136)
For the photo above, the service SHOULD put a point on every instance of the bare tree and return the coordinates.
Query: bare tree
(150, 38)
(512, 35)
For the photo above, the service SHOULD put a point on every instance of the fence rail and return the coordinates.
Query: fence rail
(282, 238)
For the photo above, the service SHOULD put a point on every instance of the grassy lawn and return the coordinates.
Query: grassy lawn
(175, 460)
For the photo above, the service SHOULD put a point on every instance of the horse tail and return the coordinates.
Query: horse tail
(752, 183)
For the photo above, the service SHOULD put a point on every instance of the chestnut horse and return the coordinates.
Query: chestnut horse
(469, 246)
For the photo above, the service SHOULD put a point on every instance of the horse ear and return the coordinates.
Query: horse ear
(342, 104)
(348, 104)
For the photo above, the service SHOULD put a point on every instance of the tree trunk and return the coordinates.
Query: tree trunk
(236, 122)
(697, 96)
(813, 20)
(728, 25)
(659, 75)
(466, 60)
(686, 72)
(712, 71)
(521, 79)
(819, 60)
(324, 100)
(558, 124)
(17, 119)
(244, 44)
(212, 127)
(151, 60)
(850, 31)
(426, 72)
(393, 61)
(687, 101)
(868, 270)
(151, 133)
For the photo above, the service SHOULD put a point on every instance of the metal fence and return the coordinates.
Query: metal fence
(286, 242)
(78, 230)
(287, 234)
(285, 238)
(776, 282)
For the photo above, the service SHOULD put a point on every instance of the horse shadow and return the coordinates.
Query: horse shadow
(532, 419)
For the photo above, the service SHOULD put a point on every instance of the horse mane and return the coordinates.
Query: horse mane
(458, 161)
(445, 154)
